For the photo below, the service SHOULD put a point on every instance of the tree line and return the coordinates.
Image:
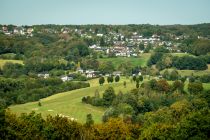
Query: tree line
(18, 91)
(144, 113)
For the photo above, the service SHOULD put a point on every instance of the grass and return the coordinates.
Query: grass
(69, 103)
(206, 86)
(2, 62)
(135, 61)
(192, 72)
(181, 54)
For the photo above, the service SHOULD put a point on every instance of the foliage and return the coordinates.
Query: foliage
(89, 120)
(110, 79)
(178, 85)
(205, 78)
(25, 90)
(201, 47)
(39, 104)
(101, 80)
(106, 67)
(190, 63)
(108, 96)
(117, 78)
(124, 83)
(162, 86)
(155, 57)
(195, 87)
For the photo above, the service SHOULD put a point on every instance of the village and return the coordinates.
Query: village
(112, 43)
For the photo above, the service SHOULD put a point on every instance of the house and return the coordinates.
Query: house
(80, 70)
(90, 73)
(19, 30)
(117, 73)
(66, 78)
(65, 30)
(99, 35)
(93, 46)
(30, 30)
(120, 54)
(44, 75)
(5, 29)
(134, 54)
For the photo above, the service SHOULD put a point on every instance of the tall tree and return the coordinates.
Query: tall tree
(89, 120)
(109, 96)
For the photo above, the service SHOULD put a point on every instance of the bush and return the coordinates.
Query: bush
(205, 78)
(110, 79)
(101, 80)
(162, 85)
(117, 78)
(109, 96)
(189, 63)
(97, 101)
(195, 87)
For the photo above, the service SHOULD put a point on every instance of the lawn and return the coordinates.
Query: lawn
(206, 86)
(2, 62)
(135, 61)
(192, 72)
(69, 103)
(181, 54)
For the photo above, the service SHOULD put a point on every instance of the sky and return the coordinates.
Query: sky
(162, 12)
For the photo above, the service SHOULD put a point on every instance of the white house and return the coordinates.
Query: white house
(99, 35)
(66, 78)
(5, 29)
(19, 30)
(30, 30)
(93, 46)
(117, 73)
(44, 75)
(121, 54)
(90, 73)
(79, 70)
(65, 30)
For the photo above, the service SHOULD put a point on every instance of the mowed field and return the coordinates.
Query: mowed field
(2, 62)
(192, 72)
(70, 104)
(135, 61)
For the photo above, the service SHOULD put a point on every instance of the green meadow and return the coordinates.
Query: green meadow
(135, 61)
(70, 103)
(2, 62)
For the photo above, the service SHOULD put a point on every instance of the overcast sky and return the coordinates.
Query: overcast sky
(30, 12)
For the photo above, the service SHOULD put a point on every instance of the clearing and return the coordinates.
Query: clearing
(70, 104)
(135, 61)
(3, 61)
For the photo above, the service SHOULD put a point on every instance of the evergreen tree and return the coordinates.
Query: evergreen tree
(89, 120)
(124, 84)
(101, 80)
(117, 78)
(109, 96)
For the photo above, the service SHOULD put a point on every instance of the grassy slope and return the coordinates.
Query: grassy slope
(190, 72)
(135, 61)
(2, 62)
(181, 54)
(69, 103)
